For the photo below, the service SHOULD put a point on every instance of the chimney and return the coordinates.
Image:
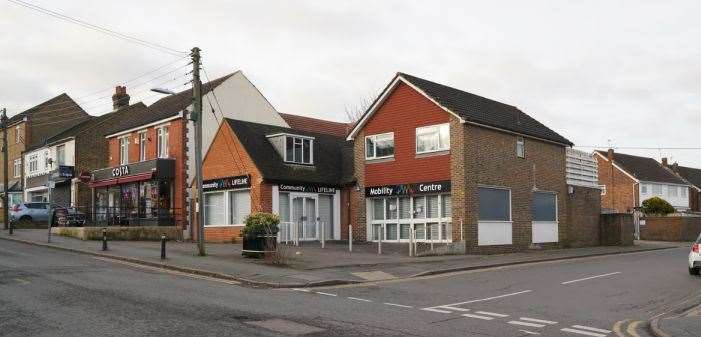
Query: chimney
(675, 167)
(609, 155)
(120, 98)
(664, 162)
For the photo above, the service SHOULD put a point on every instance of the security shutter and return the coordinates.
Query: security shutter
(326, 214)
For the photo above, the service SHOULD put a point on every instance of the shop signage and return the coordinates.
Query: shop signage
(85, 176)
(65, 171)
(435, 187)
(120, 171)
(306, 188)
(226, 183)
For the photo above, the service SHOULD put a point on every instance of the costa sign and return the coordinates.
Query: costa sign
(120, 171)
(434, 187)
(227, 183)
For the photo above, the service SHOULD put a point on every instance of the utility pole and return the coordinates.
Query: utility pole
(196, 117)
(5, 201)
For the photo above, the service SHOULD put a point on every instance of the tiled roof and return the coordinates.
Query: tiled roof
(310, 124)
(60, 103)
(329, 159)
(692, 175)
(644, 168)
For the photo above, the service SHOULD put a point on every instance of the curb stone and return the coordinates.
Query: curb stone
(655, 322)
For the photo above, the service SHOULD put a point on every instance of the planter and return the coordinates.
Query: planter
(256, 246)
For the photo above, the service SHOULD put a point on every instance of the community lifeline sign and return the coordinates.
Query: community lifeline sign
(226, 183)
(435, 187)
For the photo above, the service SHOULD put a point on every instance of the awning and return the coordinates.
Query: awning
(121, 180)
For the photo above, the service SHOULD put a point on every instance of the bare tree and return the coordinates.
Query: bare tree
(355, 111)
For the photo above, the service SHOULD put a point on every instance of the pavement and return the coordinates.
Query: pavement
(50, 292)
(310, 265)
(681, 320)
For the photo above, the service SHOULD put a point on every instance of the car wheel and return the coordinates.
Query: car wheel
(24, 222)
(693, 271)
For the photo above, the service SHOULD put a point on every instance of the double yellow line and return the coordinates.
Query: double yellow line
(630, 326)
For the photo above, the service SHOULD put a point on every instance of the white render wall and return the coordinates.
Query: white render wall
(681, 201)
(49, 152)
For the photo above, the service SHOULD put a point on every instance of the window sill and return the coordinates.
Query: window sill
(432, 154)
(379, 160)
(222, 226)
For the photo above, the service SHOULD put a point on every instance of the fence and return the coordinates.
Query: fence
(126, 216)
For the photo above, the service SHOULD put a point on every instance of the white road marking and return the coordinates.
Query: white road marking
(302, 290)
(590, 277)
(398, 305)
(483, 299)
(492, 314)
(529, 332)
(437, 310)
(584, 327)
(454, 308)
(528, 319)
(534, 325)
(486, 318)
(325, 294)
(582, 332)
(359, 299)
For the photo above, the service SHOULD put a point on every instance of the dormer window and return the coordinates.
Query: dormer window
(299, 149)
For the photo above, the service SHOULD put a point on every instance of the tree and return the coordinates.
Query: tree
(657, 206)
(354, 112)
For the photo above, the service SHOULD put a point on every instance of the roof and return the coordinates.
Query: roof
(644, 168)
(60, 102)
(168, 106)
(692, 175)
(329, 161)
(310, 124)
(474, 109)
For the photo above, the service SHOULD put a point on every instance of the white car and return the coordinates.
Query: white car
(695, 257)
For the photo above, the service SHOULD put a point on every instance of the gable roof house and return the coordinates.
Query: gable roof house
(628, 180)
(458, 166)
(693, 177)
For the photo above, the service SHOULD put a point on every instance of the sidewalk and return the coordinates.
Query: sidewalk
(684, 324)
(309, 265)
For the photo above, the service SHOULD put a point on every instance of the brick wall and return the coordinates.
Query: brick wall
(583, 214)
(616, 229)
(671, 228)
(621, 191)
(14, 151)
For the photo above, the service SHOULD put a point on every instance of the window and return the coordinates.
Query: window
(379, 146)
(124, 150)
(214, 211)
(431, 217)
(162, 142)
(672, 191)
(656, 189)
(520, 147)
(47, 160)
(432, 138)
(603, 189)
(684, 192)
(225, 208)
(544, 207)
(299, 150)
(239, 206)
(494, 204)
(643, 189)
(33, 163)
(18, 134)
(17, 168)
(61, 154)
(142, 146)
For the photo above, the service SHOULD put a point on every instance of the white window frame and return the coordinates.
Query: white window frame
(603, 189)
(486, 228)
(301, 139)
(684, 192)
(426, 130)
(672, 191)
(643, 189)
(59, 160)
(162, 138)
(33, 163)
(227, 211)
(520, 147)
(124, 150)
(17, 167)
(381, 136)
(441, 220)
(18, 134)
(142, 145)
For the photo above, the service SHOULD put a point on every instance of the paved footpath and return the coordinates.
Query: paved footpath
(310, 265)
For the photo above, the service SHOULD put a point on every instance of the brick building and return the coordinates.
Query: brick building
(453, 165)
(628, 180)
(692, 176)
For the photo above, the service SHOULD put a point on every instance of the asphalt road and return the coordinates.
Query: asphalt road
(46, 292)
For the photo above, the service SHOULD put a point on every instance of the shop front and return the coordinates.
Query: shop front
(138, 194)
(58, 183)
(307, 211)
(394, 211)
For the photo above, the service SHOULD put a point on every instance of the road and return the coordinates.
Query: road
(46, 292)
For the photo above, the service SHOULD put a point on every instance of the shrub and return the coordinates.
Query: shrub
(261, 224)
(658, 206)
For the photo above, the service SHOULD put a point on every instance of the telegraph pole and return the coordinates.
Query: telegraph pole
(196, 117)
(5, 201)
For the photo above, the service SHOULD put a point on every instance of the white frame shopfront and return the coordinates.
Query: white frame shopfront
(307, 193)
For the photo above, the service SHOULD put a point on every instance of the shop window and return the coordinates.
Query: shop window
(404, 208)
(15, 199)
(432, 206)
(379, 146)
(214, 211)
(544, 207)
(284, 207)
(239, 207)
(378, 209)
(494, 204)
(433, 138)
(391, 208)
(391, 229)
(17, 168)
(420, 231)
(520, 147)
(419, 207)
(142, 146)
(162, 141)
(124, 150)
(446, 206)
(299, 150)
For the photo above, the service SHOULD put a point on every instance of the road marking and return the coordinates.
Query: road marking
(23, 281)
(325, 294)
(486, 318)
(398, 305)
(302, 290)
(168, 271)
(492, 314)
(617, 328)
(582, 332)
(632, 329)
(454, 308)
(591, 277)
(437, 310)
(528, 319)
(359, 299)
(483, 299)
(584, 327)
(533, 325)
(529, 332)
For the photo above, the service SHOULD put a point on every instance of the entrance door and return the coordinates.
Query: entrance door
(304, 214)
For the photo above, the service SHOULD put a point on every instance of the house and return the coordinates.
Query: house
(299, 174)
(31, 128)
(628, 180)
(449, 165)
(692, 176)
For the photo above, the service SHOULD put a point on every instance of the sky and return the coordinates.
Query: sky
(624, 73)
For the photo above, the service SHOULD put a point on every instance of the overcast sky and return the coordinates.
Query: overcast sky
(594, 71)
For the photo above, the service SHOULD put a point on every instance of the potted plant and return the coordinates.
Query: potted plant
(260, 234)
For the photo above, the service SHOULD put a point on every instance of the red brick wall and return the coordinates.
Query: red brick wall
(583, 213)
(671, 228)
(621, 191)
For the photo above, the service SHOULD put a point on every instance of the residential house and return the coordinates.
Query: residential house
(628, 180)
(448, 165)
(693, 177)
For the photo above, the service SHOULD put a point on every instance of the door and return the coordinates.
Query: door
(304, 215)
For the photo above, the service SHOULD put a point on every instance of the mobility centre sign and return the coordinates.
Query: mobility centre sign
(435, 187)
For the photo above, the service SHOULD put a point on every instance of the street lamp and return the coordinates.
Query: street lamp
(163, 91)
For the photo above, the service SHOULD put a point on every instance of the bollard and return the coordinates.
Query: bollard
(11, 227)
(323, 238)
(379, 242)
(163, 246)
(411, 253)
(432, 239)
(350, 238)
(104, 239)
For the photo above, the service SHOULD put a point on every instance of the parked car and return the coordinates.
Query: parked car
(29, 213)
(695, 257)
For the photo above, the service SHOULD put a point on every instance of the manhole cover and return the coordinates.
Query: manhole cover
(286, 327)
(374, 275)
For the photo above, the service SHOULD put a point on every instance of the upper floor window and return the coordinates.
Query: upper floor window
(61, 154)
(142, 146)
(433, 138)
(162, 141)
(299, 149)
(379, 146)
(672, 191)
(18, 134)
(684, 192)
(47, 160)
(17, 168)
(33, 163)
(643, 188)
(657, 189)
(520, 147)
(124, 150)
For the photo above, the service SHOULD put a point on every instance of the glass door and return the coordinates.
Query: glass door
(304, 213)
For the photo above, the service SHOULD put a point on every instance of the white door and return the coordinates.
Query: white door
(304, 216)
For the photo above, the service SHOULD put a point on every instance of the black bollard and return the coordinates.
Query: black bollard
(163, 246)
(104, 239)
(12, 225)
